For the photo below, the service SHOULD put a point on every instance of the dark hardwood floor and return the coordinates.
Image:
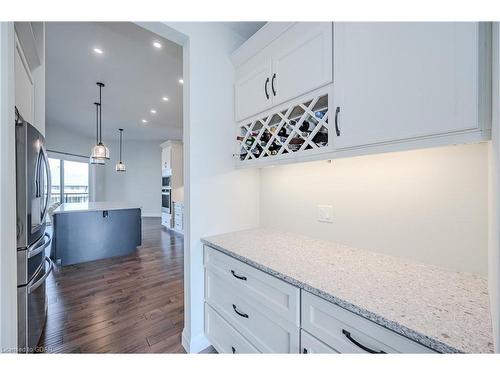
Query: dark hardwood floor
(130, 304)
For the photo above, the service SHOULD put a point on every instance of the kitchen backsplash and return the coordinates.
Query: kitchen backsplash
(428, 205)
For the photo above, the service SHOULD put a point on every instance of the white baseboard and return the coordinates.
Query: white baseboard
(194, 344)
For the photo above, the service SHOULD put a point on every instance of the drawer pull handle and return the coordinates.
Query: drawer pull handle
(233, 349)
(359, 345)
(237, 276)
(237, 312)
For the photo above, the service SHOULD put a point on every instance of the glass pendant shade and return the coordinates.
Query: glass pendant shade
(120, 167)
(100, 152)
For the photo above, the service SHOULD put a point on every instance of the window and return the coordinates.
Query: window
(70, 181)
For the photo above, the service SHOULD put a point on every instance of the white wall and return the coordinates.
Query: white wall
(218, 198)
(141, 183)
(494, 186)
(8, 260)
(427, 205)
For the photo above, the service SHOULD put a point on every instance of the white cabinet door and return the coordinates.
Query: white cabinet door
(166, 158)
(302, 60)
(398, 81)
(24, 88)
(252, 87)
(311, 345)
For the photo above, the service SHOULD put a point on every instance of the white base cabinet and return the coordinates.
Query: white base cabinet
(349, 333)
(224, 338)
(311, 345)
(247, 310)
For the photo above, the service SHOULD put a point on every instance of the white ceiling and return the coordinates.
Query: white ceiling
(136, 76)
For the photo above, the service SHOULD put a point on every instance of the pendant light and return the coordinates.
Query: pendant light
(100, 152)
(120, 167)
(92, 159)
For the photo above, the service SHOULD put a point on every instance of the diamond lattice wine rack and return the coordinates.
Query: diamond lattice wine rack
(300, 129)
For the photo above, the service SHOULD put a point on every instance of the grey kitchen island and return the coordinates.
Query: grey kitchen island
(95, 230)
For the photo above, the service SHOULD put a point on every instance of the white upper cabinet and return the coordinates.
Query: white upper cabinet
(395, 82)
(24, 86)
(297, 61)
(253, 87)
(302, 60)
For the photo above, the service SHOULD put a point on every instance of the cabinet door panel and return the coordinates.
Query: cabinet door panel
(302, 60)
(252, 81)
(311, 345)
(396, 81)
(24, 89)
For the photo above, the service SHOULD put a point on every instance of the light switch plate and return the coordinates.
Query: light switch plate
(325, 214)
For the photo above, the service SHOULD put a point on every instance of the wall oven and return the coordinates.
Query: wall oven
(166, 200)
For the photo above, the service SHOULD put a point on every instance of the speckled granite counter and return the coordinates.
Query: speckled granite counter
(446, 311)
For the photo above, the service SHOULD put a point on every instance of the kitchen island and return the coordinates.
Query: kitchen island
(89, 231)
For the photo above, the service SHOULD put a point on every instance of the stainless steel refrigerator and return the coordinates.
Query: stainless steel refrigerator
(33, 266)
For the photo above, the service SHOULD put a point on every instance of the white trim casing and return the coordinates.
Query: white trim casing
(8, 261)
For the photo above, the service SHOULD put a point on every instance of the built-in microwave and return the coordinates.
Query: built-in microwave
(166, 200)
(165, 181)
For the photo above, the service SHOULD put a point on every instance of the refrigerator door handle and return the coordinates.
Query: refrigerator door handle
(38, 247)
(49, 183)
(31, 287)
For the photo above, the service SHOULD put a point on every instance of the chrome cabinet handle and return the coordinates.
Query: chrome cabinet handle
(239, 313)
(272, 84)
(265, 87)
(359, 345)
(337, 110)
(33, 286)
(37, 248)
(238, 276)
(49, 183)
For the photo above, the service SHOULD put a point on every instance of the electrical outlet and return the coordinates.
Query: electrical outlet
(325, 214)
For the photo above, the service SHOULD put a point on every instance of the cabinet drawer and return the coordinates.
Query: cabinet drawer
(311, 345)
(268, 332)
(271, 295)
(349, 333)
(223, 337)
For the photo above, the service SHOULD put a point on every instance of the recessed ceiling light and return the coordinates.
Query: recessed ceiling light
(157, 45)
(181, 81)
(98, 51)
(165, 99)
(144, 121)
(153, 111)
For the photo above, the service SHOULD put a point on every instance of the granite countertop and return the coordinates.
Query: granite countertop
(94, 206)
(444, 310)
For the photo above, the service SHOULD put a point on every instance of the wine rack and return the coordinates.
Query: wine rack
(298, 129)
